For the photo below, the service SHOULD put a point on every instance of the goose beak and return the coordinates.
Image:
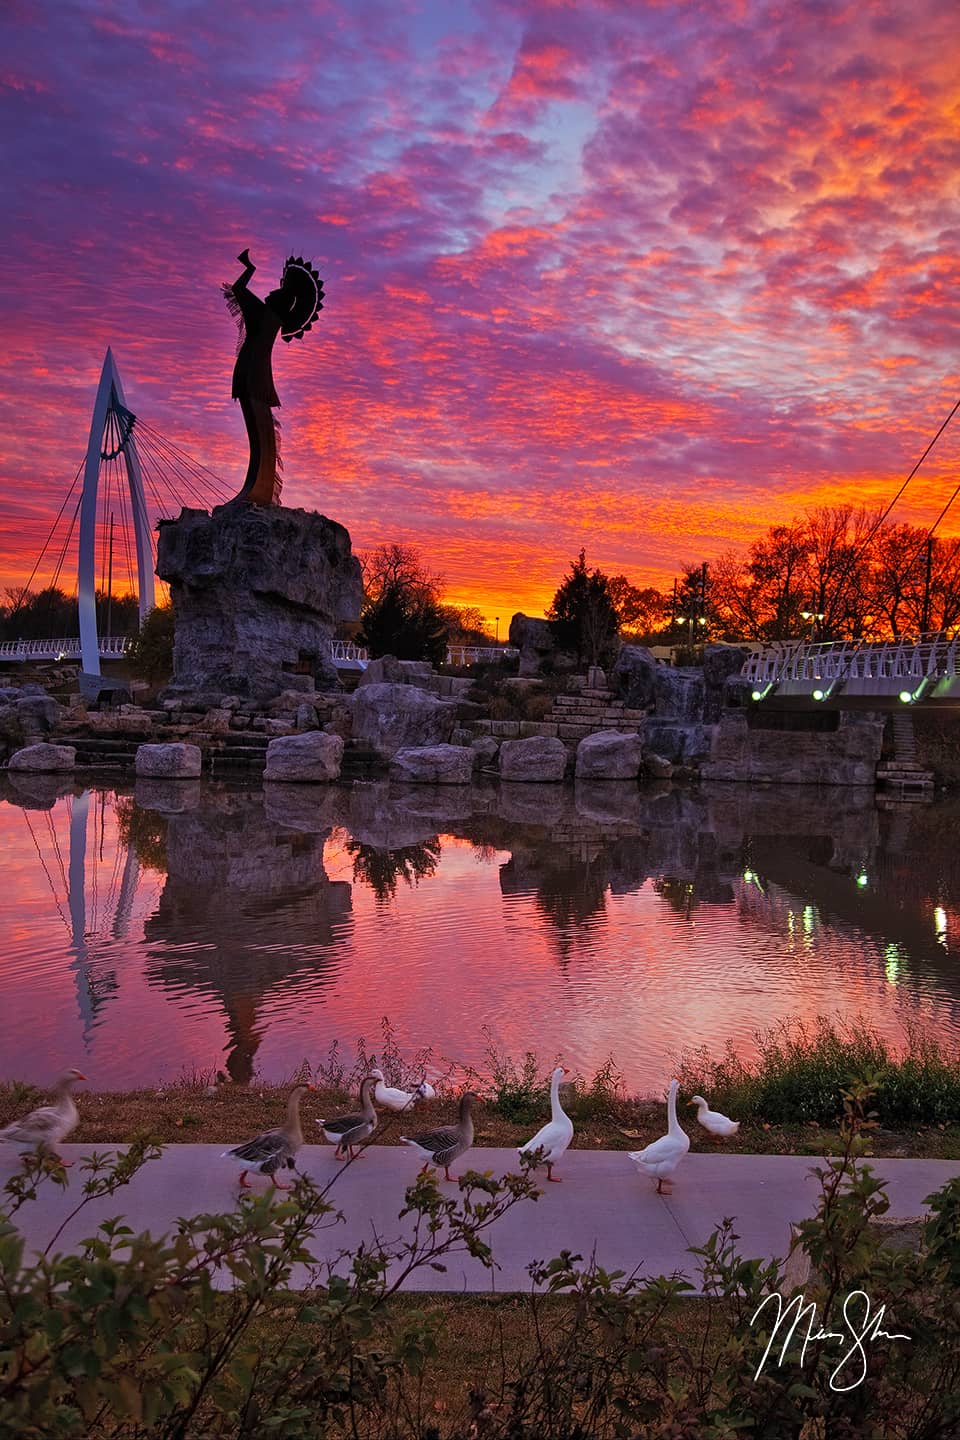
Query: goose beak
(78, 1076)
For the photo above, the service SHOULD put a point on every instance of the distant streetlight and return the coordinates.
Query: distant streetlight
(815, 618)
(496, 621)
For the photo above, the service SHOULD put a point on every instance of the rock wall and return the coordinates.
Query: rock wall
(846, 756)
(257, 594)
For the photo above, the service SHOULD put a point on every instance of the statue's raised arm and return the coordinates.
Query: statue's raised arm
(289, 311)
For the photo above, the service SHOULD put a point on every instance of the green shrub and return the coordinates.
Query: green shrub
(801, 1071)
(131, 1339)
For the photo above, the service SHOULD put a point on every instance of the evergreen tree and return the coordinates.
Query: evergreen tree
(583, 615)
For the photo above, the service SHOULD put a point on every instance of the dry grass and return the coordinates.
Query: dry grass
(186, 1113)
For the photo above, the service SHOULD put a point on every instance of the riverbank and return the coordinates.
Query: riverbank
(187, 1113)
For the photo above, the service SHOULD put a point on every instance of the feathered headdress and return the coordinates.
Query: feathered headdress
(300, 277)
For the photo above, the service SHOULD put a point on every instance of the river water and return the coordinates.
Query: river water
(150, 931)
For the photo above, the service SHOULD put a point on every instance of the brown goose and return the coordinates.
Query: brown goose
(49, 1124)
(270, 1151)
(448, 1142)
(345, 1131)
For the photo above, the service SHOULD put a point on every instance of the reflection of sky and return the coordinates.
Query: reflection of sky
(447, 959)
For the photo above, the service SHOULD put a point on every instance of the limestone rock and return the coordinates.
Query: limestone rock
(640, 681)
(720, 662)
(845, 756)
(388, 670)
(312, 757)
(37, 713)
(485, 750)
(535, 640)
(44, 757)
(434, 765)
(175, 760)
(306, 718)
(656, 766)
(538, 758)
(677, 741)
(257, 593)
(608, 755)
(392, 717)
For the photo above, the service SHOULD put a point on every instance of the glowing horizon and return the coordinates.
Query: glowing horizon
(642, 279)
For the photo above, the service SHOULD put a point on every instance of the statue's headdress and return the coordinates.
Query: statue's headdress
(300, 277)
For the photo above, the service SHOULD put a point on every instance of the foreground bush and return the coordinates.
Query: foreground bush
(130, 1338)
(801, 1072)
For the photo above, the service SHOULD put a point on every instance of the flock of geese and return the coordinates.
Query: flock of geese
(275, 1150)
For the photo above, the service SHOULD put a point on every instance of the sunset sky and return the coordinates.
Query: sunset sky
(640, 277)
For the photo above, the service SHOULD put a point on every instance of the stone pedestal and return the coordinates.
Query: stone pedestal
(257, 595)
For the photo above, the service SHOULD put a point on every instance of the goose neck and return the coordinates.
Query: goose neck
(556, 1109)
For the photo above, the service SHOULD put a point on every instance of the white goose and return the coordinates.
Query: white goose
(661, 1159)
(554, 1137)
(392, 1098)
(45, 1127)
(720, 1126)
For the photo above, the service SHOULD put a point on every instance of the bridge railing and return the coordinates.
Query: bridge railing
(464, 655)
(927, 657)
(62, 648)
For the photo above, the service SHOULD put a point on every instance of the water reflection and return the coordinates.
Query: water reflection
(238, 891)
(200, 921)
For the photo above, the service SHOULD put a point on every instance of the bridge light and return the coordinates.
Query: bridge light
(748, 876)
(906, 696)
(756, 695)
(818, 694)
(863, 880)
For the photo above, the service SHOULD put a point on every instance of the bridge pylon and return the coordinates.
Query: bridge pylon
(111, 435)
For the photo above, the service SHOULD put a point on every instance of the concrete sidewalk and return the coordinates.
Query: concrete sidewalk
(604, 1207)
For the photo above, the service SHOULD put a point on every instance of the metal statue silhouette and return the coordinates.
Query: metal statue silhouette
(289, 312)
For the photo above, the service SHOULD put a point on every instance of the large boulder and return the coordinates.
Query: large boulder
(608, 755)
(643, 684)
(175, 760)
(678, 741)
(391, 717)
(38, 713)
(538, 758)
(257, 593)
(44, 757)
(743, 751)
(388, 670)
(720, 662)
(537, 643)
(434, 765)
(309, 758)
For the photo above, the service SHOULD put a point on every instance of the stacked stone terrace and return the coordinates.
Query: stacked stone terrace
(572, 716)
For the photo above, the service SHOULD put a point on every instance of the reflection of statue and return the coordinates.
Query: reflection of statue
(289, 312)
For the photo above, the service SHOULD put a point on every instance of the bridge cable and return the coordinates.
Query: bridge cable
(25, 591)
(844, 574)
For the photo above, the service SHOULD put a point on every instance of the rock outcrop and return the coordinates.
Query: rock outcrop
(536, 641)
(539, 758)
(310, 758)
(44, 757)
(173, 761)
(846, 756)
(257, 593)
(434, 765)
(608, 755)
(391, 717)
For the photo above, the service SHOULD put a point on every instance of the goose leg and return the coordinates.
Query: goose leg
(550, 1175)
(278, 1185)
(446, 1173)
(244, 1182)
